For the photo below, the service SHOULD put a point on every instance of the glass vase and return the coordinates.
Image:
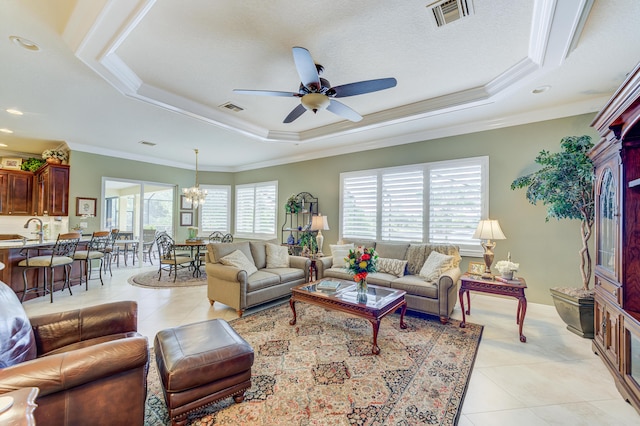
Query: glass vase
(361, 286)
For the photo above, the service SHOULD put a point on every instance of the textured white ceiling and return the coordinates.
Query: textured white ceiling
(111, 73)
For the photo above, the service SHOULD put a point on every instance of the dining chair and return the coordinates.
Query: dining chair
(148, 241)
(110, 250)
(169, 259)
(228, 238)
(96, 250)
(124, 246)
(216, 237)
(61, 255)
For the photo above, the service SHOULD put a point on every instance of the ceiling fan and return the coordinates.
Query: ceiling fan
(316, 93)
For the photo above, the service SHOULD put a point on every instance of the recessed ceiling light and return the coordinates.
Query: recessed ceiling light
(540, 89)
(25, 43)
(3, 145)
(4, 130)
(14, 111)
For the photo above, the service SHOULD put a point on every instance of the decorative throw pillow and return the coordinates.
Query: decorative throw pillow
(392, 266)
(239, 260)
(339, 252)
(277, 256)
(435, 265)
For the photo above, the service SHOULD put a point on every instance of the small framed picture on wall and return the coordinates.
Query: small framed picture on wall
(86, 206)
(185, 204)
(186, 219)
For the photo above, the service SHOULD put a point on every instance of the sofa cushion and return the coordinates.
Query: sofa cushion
(219, 250)
(262, 279)
(342, 273)
(259, 252)
(394, 267)
(415, 285)
(339, 253)
(17, 342)
(239, 260)
(286, 274)
(392, 250)
(277, 256)
(417, 254)
(435, 265)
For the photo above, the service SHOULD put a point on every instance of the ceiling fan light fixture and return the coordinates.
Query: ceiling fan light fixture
(315, 101)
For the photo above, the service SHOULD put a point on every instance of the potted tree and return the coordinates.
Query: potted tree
(564, 184)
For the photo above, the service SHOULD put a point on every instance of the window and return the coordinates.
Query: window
(438, 203)
(256, 211)
(215, 213)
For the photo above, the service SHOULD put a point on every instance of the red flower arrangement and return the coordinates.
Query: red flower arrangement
(361, 262)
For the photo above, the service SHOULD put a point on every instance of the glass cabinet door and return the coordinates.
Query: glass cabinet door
(607, 216)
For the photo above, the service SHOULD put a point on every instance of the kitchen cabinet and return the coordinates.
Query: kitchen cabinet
(16, 196)
(52, 189)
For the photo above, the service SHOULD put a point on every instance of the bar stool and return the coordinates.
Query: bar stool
(96, 249)
(61, 255)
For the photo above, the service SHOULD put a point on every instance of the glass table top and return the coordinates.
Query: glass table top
(345, 291)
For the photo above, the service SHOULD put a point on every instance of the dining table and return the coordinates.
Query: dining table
(195, 248)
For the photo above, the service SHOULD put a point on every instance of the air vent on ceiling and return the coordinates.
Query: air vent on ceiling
(232, 107)
(147, 143)
(447, 11)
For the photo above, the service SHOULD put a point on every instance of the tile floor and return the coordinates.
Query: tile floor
(540, 382)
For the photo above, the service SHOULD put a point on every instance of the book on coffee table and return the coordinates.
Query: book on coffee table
(328, 285)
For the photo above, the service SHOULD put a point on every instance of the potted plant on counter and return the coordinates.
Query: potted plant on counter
(55, 156)
(564, 185)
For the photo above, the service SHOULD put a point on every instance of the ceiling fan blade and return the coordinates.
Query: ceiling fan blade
(362, 87)
(266, 93)
(297, 112)
(344, 111)
(306, 69)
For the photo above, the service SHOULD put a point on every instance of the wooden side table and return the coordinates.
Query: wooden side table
(475, 283)
(21, 412)
(313, 271)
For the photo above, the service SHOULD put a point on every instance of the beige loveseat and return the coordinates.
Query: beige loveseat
(239, 289)
(435, 297)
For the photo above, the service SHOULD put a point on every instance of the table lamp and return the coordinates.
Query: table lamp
(319, 223)
(488, 230)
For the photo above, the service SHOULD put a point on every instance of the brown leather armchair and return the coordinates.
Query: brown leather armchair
(90, 364)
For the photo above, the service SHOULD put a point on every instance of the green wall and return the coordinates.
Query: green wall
(547, 252)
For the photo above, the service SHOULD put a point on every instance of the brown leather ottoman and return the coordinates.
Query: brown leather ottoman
(200, 364)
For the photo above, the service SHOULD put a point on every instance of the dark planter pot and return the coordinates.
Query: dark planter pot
(576, 312)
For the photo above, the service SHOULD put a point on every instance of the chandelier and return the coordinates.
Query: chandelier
(194, 194)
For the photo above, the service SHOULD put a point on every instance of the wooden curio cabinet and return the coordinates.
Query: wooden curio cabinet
(16, 197)
(52, 189)
(617, 237)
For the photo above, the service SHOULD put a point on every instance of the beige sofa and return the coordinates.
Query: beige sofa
(236, 288)
(436, 297)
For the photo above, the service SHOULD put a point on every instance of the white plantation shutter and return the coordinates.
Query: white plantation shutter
(214, 214)
(359, 198)
(402, 205)
(457, 201)
(256, 210)
(438, 202)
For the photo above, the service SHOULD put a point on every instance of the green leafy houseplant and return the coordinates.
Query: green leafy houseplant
(564, 185)
(32, 164)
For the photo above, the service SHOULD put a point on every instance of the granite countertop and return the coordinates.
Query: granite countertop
(10, 244)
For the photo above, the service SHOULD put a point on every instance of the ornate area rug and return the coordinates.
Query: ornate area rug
(185, 278)
(321, 372)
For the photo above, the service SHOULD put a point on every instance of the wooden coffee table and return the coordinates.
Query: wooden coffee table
(379, 302)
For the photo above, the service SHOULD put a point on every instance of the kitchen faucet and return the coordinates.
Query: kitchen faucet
(40, 232)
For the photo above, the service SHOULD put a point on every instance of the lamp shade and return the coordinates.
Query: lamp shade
(319, 223)
(489, 230)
